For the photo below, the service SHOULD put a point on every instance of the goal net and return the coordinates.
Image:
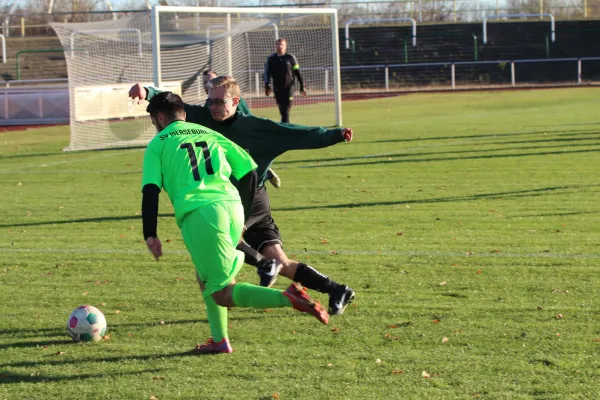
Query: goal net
(169, 47)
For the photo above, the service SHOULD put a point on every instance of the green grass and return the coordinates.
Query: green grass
(472, 217)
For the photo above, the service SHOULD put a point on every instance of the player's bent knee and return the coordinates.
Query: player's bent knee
(224, 297)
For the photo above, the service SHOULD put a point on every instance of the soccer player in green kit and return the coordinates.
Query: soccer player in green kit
(265, 140)
(193, 164)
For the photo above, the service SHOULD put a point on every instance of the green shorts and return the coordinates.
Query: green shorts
(211, 234)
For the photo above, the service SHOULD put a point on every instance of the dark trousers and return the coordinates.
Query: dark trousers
(284, 97)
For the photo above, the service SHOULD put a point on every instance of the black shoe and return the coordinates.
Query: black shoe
(268, 270)
(339, 300)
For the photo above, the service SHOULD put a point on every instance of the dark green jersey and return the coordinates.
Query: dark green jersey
(243, 107)
(193, 164)
(264, 139)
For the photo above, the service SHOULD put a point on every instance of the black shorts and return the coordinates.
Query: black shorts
(261, 229)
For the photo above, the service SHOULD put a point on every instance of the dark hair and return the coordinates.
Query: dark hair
(208, 72)
(166, 102)
(281, 40)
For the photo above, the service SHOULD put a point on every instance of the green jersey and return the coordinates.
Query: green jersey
(193, 164)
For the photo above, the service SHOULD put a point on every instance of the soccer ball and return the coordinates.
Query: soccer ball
(86, 323)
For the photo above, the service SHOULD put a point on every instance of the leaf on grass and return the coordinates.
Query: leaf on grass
(436, 321)
(443, 283)
(293, 332)
(268, 310)
(335, 330)
(153, 398)
(378, 361)
(399, 233)
(122, 236)
(457, 330)
(455, 265)
(476, 395)
(117, 311)
(161, 322)
(158, 378)
(444, 340)
(559, 291)
(330, 365)
(324, 241)
(557, 334)
(106, 337)
(168, 241)
(426, 374)
(539, 308)
(560, 316)
(47, 274)
(597, 340)
(334, 253)
(495, 251)
(397, 372)
(85, 293)
(179, 279)
(469, 253)
(479, 271)
(491, 210)
(60, 353)
(130, 334)
(275, 396)
(392, 326)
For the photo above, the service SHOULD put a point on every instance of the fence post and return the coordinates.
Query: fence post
(585, 10)
(326, 80)
(22, 26)
(387, 78)
(453, 74)
(513, 81)
(257, 82)
(579, 71)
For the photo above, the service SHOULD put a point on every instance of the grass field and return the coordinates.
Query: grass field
(467, 223)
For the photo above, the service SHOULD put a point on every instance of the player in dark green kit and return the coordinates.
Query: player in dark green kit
(242, 107)
(193, 164)
(265, 140)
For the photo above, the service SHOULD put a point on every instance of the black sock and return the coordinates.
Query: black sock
(311, 278)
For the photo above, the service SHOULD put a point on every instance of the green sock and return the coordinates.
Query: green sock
(247, 295)
(217, 319)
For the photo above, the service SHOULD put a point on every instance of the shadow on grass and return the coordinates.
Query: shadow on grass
(459, 158)
(513, 194)
(53, 332)
(487, 135)
(84, 220)
(10, 377)
(432, 153)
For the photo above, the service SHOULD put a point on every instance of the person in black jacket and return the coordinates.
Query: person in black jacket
(284, 70)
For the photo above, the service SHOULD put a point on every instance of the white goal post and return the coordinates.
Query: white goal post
(170, 46)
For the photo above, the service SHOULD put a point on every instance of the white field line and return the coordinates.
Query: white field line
(323, 252)
(51, 164)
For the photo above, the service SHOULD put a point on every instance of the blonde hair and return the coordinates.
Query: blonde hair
(231, 86)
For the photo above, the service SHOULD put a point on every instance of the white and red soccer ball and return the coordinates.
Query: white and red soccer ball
(86, 323)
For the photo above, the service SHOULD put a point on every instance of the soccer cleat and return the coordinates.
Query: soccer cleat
(212, 347)
(274, 179)
(339, 300)
(302, 302)
(268, 269)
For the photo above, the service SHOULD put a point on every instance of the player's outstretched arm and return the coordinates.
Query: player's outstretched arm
(286, 137)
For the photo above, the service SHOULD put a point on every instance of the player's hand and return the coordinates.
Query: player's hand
(347, 134)
(303, 92)
(139, 92)
(155, 247)
(267, 91)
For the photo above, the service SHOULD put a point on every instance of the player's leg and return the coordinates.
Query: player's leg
(203, 230)
(263, 235)
(282, 97)
(339, 295)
